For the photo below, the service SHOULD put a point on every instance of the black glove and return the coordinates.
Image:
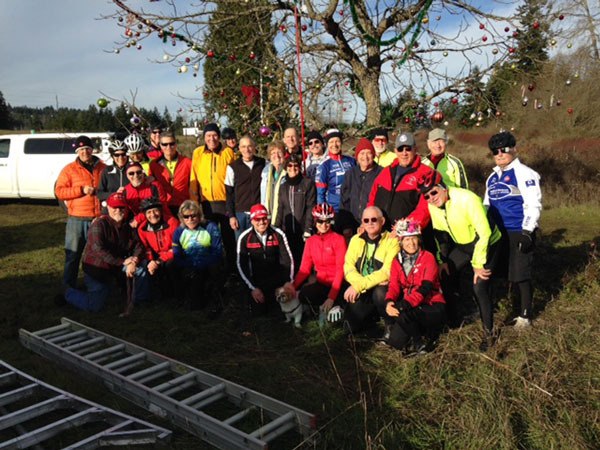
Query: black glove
(402, 305)
(525, 241)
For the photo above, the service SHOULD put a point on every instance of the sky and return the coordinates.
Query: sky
(59, 51)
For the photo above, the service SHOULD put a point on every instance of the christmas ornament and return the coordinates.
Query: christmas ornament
(484, 38)
(210, 54)
(558, 102)
(570, 110)
(184, 69)
(425, 20)
(506, 29)
(283, 28)
(252, 55)
(102, 102)
(165, 57)
(494, 51)
(445, 53)
(531, 87)
(446, 123)
(139, 46)
(481, 26)
(454, 100)
(536, 25)
(304, 27)
(437, 116)
(561, 17)
(135, 121)
(117, 51)
(524, 101)
(187, 60)
(568, 82)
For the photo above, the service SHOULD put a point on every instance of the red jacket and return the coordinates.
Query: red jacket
(135, 195)
(159, 243)
(404, 199)
(176, 186)
(421, 286)
(153, 153)
(69, 188)
(325, 253)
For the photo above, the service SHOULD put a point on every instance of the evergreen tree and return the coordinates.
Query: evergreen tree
(6, 121)
(473, 107)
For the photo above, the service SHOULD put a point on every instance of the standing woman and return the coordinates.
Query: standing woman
(414, 304)
(198, 249)
(271, 178)
(296, 199)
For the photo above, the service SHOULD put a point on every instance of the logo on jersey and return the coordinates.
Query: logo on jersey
(530, 183)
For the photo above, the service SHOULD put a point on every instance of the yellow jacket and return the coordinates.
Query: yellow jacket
(464, 218)
(385, 251)
(207, 177)
(386, 158)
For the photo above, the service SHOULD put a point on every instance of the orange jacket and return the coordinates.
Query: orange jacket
(69, 188)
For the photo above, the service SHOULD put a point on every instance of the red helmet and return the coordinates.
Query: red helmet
(323, 211)
(431, 180)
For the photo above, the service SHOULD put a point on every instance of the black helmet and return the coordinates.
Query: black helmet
(502, 140)
(430, 181)
(150, 203)
(228, 133)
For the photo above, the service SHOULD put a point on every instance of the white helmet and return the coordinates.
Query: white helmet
(135, 143)
(115, 145)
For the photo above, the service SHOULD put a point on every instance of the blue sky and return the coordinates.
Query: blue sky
(57, 48)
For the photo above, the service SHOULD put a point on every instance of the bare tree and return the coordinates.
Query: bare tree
(375, 49)
(581, 24)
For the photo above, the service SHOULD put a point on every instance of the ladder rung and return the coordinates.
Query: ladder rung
(105, 351)
(239, 416)
(273, 425)
(207, 401)
(181, 387)
(17, 394)
(137, 376)
(7, 378)
(175, 381)
(65, 337)
(48, 331)
(116, 364)
(279, 431)
(205, 393)
(130, 366)
(43, 433)
(16, 417)
(85, 344)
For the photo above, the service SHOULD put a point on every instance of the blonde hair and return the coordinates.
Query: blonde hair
(191, 206)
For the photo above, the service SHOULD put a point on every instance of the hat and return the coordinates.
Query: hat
(258, 211)
(364, 144)
(405, 140)
(407, 227)
(437, 133)
(150, 203)
(227, 133)
(379, 132)
(82, 142)
(502, 140)
(133, 164)
(333, 132)
(212, 127)
(116, 200)
(314, 135)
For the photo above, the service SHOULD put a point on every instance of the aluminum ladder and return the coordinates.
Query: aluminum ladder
(33, 412)
(222, 413)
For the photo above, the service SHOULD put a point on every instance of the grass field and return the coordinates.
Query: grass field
(539, 389)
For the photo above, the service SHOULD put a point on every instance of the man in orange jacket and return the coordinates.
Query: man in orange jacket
(77, 186)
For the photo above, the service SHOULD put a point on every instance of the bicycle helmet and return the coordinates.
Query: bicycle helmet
(407, 227)
(135, 143)
(116, 145)
(323, 211)
(150, 203)
(430, 181)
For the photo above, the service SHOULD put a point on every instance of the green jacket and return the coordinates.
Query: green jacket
(464, 219)
(452, 170)
(386, 250)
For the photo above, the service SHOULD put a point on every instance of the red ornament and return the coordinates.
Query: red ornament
(210, 54)
(570, 110)
(515, 34)
(304, 27)
(341, 11)
(283, 28)
(252, 55)
(531, 86)
(232, 57)
(561, 17)
(437, 116)
(454, 100)
(558, 102)
(536, 25)
(407, 120)
(511, 50)
(506, 29)
(484, 38)
(481, 26)
(436, 104)
(187, 59)
(222, 93)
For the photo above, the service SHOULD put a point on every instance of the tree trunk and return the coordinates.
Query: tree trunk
(372, 96)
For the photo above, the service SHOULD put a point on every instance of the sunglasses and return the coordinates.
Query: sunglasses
(314, 142)
(293, 166)
(189, 216)
(323, 221)
(380, 140)
(120, 155)
(497, 151)
(130, 174)
(261, 219)
(431, 194)
(370, 219)
(168, 144)
(404, 149)
(155, 131)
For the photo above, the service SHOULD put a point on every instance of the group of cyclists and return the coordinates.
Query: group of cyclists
(381, 241)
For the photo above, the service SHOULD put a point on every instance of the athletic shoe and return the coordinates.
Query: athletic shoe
(522, 323)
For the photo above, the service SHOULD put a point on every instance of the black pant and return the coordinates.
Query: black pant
(200, 288)
(315, 294)
(364, 312)
(215, 211)
(424, 320)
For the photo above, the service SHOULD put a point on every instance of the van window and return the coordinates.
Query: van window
(49, 146)
(4, 148)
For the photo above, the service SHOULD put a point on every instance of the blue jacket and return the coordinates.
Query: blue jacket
(330, 177)
(199, 248)
(514, 196)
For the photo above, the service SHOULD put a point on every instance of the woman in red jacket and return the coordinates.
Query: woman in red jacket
(324, 253)
(415, 306)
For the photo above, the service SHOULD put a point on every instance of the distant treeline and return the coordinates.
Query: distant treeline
(90, 119)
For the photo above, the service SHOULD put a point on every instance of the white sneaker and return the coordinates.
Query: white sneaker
(522, 322)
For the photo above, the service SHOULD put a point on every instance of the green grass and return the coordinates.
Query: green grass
(537, 390)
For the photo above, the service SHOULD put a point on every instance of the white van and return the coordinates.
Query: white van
(30, 163)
